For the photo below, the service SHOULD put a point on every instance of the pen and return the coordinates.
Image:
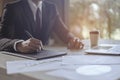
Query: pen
(29, 35)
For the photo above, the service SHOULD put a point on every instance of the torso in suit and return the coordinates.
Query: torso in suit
(18, 17)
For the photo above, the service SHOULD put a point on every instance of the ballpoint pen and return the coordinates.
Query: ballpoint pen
(29, 35)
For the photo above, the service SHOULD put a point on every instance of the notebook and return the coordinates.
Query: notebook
(44, 54)
(105, 49)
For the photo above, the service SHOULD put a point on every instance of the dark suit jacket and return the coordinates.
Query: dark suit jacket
(18, 17)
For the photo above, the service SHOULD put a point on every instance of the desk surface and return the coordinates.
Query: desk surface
(114, 74)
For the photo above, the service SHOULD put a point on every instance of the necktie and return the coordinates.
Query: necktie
(38, 20)
(38, 24)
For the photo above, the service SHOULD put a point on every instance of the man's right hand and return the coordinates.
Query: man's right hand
(29, 46)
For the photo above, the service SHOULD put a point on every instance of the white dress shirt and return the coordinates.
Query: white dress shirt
(33, 7)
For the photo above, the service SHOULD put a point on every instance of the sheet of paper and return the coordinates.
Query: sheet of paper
(87, 72)
(31, 65)
(71, 74)
(60, 63)
(66, 74)
(90, 60)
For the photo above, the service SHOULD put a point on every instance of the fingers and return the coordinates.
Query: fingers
(75, 43)
(36, 42)
(31, 45)
(78, 44)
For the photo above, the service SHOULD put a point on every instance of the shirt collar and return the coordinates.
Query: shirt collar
(31, 3)
(34, 7)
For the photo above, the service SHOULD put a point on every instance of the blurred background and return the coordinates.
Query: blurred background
(102, 15)
(83, 16)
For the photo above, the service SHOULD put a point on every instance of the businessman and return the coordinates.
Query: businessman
(38, 17)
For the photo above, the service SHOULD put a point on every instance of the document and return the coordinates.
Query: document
(85, 72)
(22, 66)
(60, 63)
(90, 60)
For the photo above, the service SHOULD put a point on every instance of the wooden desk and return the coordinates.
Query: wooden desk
(114, 74)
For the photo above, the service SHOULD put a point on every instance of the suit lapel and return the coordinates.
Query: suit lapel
(29, 18)
(45, 16)
(48, 16)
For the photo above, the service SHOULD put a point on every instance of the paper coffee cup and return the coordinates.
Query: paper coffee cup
(94, 38)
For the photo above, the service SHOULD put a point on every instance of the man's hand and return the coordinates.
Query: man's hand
(29, 46)
(75, 43)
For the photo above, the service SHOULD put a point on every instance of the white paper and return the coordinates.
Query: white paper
(60, 63)
(90, 60)
(88, 74)
(66, 74)
(31, 65)
(93, 70)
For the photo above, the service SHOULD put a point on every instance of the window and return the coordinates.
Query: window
(102, 15)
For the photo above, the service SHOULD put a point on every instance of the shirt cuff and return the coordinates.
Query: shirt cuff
(15, 48)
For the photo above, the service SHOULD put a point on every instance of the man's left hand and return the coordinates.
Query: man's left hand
(75, 44)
